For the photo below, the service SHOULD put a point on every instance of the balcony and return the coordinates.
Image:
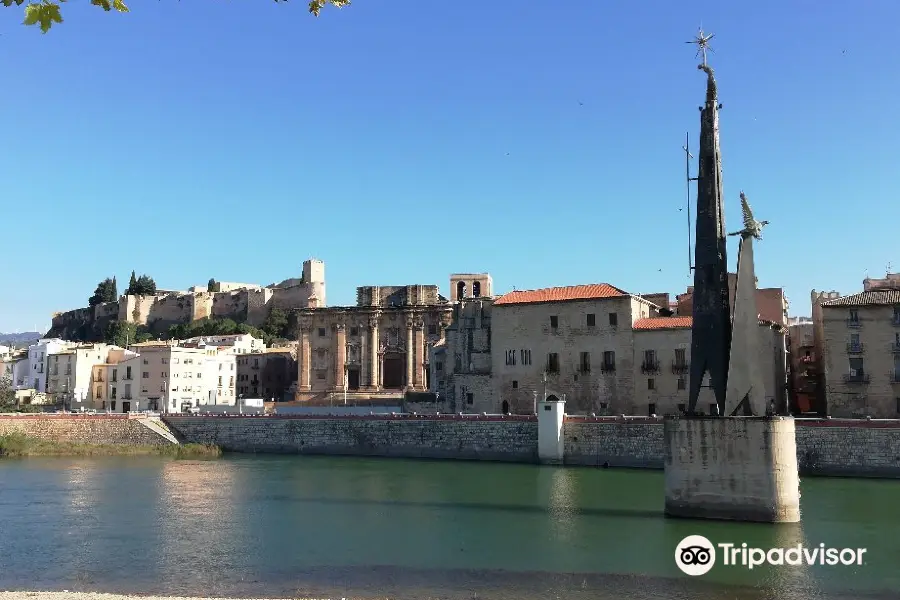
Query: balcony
(650, 366)
(857, 378)
(857, 348)
(607, 368)
(854, 323)
(680, 368)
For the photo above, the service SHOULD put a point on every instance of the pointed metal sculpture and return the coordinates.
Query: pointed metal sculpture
(746, 392)
(711, 329)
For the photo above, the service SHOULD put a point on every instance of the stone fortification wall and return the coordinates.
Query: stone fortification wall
(100, 429)
(512, 439)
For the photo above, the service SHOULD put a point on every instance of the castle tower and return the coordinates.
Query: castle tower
(711, 330)
(314, 279)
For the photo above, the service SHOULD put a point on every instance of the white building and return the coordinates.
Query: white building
(71, 373)
(176, 378)
(240, 343)
(38, 355)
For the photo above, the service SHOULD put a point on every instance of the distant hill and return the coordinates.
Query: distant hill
(19, 339)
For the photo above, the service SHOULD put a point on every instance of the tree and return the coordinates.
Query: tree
(47, 12)
(106, 292)
(212, 285)
(124, 334)
(7, 395)
(276, 323)
(140, 286)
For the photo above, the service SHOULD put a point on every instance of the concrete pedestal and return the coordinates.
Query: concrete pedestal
(732, 468)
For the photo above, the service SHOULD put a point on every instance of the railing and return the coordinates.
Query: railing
(860, 378)
(854, 323)
(607, 368)
(650, 366)
(680, 368)
(856, 348)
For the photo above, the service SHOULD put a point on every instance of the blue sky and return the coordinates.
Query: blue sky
(400, 141)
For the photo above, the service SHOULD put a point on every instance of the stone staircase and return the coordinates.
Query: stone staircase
(157, 426)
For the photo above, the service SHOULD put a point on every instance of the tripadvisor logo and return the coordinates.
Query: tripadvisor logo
(696, 555)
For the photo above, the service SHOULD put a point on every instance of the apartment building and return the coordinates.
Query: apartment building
(267, 374)
(662, 355)
(70, 374)
(860, 342)
(572, 342)
(804, 368)
(115, 383)
(771, 303)
(176, 378)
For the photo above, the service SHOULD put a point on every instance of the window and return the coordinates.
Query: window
(220, 380)
(525, 357)
(146, 362)
(584, 362)
(112, 394)
(680, 357)
(439, 367)
(162, 387)
(321, 332)
(609, 362)
(854, 339)
(553, 362)
(115, 376)
(554, 321)
(515, 384)
(591, 320)
(164, 373)
(470, 398)
(651, 384)
(650, 364)
(897, 400)
(613, 319)
(511, 357)
(681, 383)
(112, 404)
(145, 375)
(175, 361)
(651, 409)
(856, 367)
(432, 329)
(896, 315)
(682, 408)
(99, 393)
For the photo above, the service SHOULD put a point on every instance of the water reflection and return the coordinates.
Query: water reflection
(198, 518)
(563, 502)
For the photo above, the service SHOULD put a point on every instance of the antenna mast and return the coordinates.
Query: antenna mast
(688, 179)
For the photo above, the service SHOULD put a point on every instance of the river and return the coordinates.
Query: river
(281, 526)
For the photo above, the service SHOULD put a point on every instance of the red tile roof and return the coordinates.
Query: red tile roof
(663, 323)
(595, 291)
(681, 323)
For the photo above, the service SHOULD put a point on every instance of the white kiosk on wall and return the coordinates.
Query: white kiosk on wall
(551, 412)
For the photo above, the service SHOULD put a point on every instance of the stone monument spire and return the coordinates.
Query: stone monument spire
(711, 330)
(745, 394)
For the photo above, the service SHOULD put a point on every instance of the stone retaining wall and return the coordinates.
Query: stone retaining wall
(824, 447)
(511, 439)
(100, 429)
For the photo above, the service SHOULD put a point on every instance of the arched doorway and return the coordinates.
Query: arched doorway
(476, 289)
(460, 290)
(505, 408)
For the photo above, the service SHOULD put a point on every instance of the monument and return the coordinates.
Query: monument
(726, 465)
